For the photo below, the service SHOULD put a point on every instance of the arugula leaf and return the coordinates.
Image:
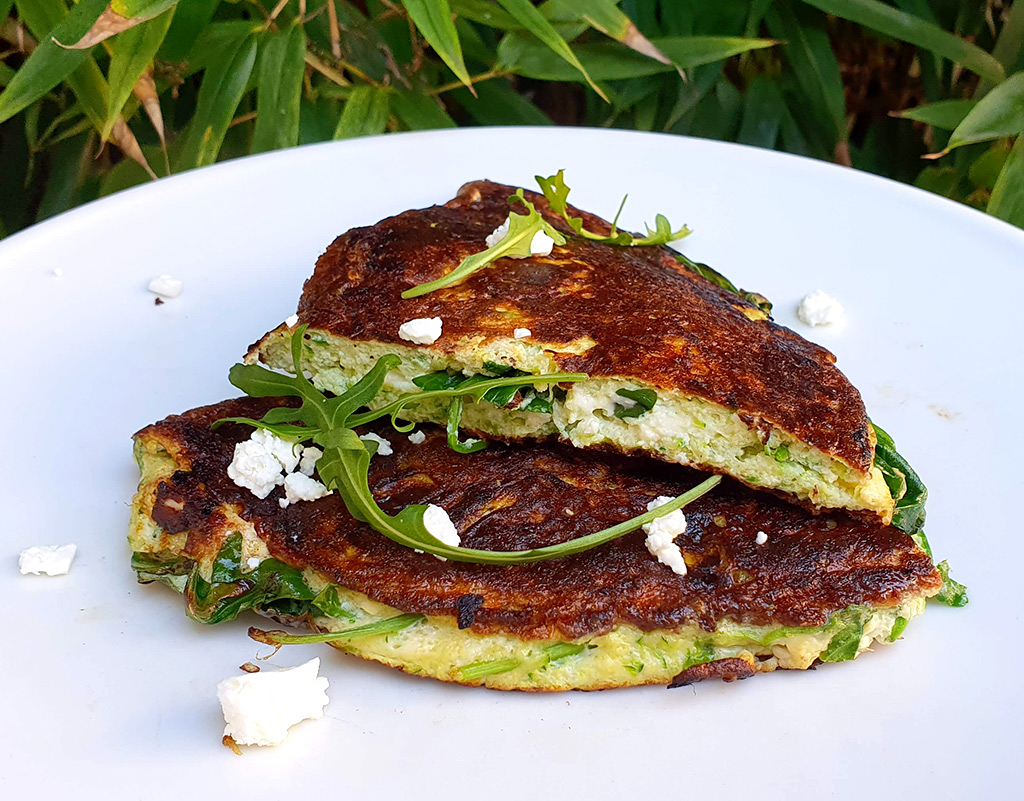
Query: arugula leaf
(716, 278)
(904, 484)
(953, 593)
(166, 567)
(845, 643)
(230, 591)
(898, 627)
(388, 626)
(454, 415)
(345, 463)
(516, 244)
(556, 192)
(644, 400)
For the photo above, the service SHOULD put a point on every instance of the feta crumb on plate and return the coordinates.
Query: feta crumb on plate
(819, 308)
(53, 560)
(421, 331)
(383, 446)
(661, 533)
(165, 287)
(58, 272)
(417, 437)
(522, 333)
(259, 708)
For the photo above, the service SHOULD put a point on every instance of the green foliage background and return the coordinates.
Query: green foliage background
(160, 86)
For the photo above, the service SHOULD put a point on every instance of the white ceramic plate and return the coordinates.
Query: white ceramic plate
(109, 691)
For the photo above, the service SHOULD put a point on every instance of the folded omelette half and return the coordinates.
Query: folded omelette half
(680, 368)
(811, 588)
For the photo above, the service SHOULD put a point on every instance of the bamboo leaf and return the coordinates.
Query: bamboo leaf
(945, 114)
(420, 112)
(191, 18)
(999, 113)
(146, 9)
(117, 18)
(224, 82)
(131, 55)
(49, 64)
(809, 53)
(1011, 38)
(527, 15)
(1007, 201)
(146, 94)
(763, 111)
(279, 90)
(433, 18)
(921, 33)
(608, 18)
(607, 61)
(497, 103)
(365, 113)
(122, 136)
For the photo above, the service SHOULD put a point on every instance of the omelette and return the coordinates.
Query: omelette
(768, 583)
(681, 368)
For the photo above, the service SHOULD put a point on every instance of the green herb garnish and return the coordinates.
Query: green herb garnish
(719, 280)
(388, 626)
(643, 402)
(557, 194)
(273, 585)
(904, 484)
(845, 643)
(516, 244)
(898, 627)
(344, 466)
(953, 593)
(500, 396)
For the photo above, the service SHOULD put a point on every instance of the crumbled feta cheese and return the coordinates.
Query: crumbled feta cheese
(253, 562)
(421, 331)
(499, 233)
(53, 560)
(259, 708)
(541, 244)
(661, 533)
(417, 437)
(310, 456)
(522, 333)
(165, 287)
(440, 526)
(383, 446)
(255, 469)
(285, 451)
(761, 538)
(292, 321)
(818, 308)
(58, 272)
(300, 487)
(258, 462)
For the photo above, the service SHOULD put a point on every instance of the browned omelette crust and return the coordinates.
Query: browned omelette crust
(651, 318)
(512, 497)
